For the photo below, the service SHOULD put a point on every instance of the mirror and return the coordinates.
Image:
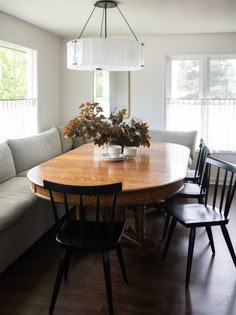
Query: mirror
(112, 90)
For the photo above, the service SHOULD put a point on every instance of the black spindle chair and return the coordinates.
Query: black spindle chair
(101, 233)
(206, 215)
(194, 175)
(193, 190)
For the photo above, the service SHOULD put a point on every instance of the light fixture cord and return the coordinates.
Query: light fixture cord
(105, 13)
(128, 24)
(102, 22)
(86, 22)
(105, 21)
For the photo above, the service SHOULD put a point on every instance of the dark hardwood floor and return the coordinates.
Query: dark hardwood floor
(156, 286)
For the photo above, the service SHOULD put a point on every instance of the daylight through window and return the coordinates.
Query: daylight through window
(18, 94)
(102, 90)
(201, 95)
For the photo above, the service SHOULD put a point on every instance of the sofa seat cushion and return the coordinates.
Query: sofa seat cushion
(7, 168)
(31, 151)
(15, 198)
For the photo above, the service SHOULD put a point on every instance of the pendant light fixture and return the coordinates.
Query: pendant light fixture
(102, 53)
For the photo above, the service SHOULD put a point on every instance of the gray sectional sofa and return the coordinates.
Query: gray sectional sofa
(24, 218)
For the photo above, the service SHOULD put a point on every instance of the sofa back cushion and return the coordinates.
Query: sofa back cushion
(31, 151)
(7, 168)
(186, 138)
(66, 144)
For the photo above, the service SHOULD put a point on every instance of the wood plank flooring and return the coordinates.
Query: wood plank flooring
(156, 286)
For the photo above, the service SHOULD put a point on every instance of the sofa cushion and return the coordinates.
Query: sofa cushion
(77, 142)
(186, 138)
(31, 151)
(15, 198)
(7, 168)
(66, 144)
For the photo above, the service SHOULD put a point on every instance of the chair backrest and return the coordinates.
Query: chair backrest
(224, 183)
(95, 195)
(201, 145)
(204, 152)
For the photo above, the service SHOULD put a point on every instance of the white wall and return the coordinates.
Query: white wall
(77, 88)
(148, 85)
(49, 48)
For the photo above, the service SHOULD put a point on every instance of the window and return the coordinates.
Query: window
(112, 91)
(102, 90)
(18, 103)
(201, 95)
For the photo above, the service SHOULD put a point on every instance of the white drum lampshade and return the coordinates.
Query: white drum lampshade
(107, 54)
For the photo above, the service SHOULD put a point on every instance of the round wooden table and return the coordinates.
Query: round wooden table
(155, 174)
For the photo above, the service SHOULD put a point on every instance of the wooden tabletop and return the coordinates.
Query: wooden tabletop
(160, 168)
(155, 174)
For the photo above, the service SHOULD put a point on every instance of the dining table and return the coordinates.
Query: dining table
(154, 175)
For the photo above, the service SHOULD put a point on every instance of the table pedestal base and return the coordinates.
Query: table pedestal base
(136, 236)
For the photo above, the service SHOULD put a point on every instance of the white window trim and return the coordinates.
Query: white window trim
(26, 119)
(204, 80)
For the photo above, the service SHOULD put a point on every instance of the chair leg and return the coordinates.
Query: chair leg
(107, 274)
(171, 231)
(167, 220)
(201, 200)
(210, 236)
(190, 254)
(121, 260)
(228, 242)
(67, 265)
(57, 284)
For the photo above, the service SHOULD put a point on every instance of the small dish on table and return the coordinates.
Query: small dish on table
(107, 157)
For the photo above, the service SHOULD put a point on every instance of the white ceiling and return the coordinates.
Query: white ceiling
(66, 18)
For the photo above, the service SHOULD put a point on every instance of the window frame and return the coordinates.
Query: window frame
(204, 83)
(29, 103)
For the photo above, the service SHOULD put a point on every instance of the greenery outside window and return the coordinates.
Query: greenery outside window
(18, 92)
(201, 95)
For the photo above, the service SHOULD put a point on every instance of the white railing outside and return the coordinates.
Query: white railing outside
(18, 118)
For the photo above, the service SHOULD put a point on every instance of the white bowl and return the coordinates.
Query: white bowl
(130, 151)
(114, 150)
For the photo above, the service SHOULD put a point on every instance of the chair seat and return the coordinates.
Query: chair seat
(190, 173)
(190, 190)
(90, 235)
(197, 215)
(191, 176)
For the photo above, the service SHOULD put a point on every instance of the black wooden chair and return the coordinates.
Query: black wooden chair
(190, 190)
(101, 233)
(194, 175)
(195, 215)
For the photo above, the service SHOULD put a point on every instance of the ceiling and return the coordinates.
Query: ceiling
(66, 18)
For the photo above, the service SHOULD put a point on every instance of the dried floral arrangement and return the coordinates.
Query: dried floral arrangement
(91, 124)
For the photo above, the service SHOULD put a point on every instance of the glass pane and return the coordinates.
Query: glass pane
(13, 74)
(222, 78)
(99, 84)
(185, 79)
(102, 84)
(18, 91)
(102, 90)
